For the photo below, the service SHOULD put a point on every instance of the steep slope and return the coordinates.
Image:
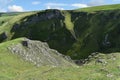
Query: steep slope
(14, 65)
(96, 32)
(100, 67)
(75, 33)
(35, 52)
(47, 26)
(80, 34)
(21, 55)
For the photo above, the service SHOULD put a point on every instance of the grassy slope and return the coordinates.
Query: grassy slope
(9, 21)
(14, 68)
(90, 71)
(89, 29)
(69, 24)
(100, 8)
(11, 65)
(92, 29)
(53, 31)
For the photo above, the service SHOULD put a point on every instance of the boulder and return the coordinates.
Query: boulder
(25, 43)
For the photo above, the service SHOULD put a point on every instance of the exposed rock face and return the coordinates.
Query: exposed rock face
(53, 14)
(48, 14)
(106, 41)
(15, 27)
(94, 32)
(47, 26)
(39, 53)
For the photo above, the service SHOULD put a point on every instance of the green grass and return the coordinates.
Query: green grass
(90, 71)
(89, 30)
(78, 32)
(9, 21)
(46, 30)
(11, 65)
(68, 22)
(100, 8)
(4, 19)
(15, 68)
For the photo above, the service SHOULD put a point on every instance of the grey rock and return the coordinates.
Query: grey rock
(39, 53)
(79, 62)
(106, 42)
(109, 75)
(102, 61)
(48, 14)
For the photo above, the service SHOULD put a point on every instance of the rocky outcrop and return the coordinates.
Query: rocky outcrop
(39, 53)
(46, 15)
(79, 33)
(38, 17)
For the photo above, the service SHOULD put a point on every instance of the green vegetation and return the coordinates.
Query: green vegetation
(77, 33)
(69, 24)
(100, 8)
(96, 32)
(10, 64)
(15, 68)
(90, 71)
(13, 65)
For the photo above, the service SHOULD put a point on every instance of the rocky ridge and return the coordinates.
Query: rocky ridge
(39, 53)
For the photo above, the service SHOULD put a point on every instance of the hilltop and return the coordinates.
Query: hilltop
(100, 8)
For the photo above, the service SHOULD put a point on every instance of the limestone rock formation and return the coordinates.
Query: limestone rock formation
(39, 53)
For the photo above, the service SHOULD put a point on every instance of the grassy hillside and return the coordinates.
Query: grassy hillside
(75, 33)
(78, 33)
(10, 64)
(90, 71)
(99, 67)
(14, 64)
(96, 32)
(100, 8)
